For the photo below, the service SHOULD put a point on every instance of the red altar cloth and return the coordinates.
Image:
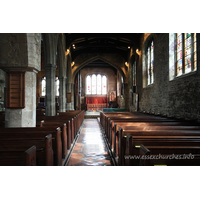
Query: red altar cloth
(96, 100)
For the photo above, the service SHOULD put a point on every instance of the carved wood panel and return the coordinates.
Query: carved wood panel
(15, 90)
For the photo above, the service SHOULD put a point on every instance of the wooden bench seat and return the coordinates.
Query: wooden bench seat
(18, 156)
(130, 142)
(126, 131)
(158, 127)
(169, 155)
(66, 130)
(36, 133)
(130, 117)
(44, 151)
(2, 119)
(115, 124)
(76, 119)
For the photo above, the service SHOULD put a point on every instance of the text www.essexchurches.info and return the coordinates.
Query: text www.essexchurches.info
(160, 156)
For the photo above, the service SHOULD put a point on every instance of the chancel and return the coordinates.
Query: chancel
(99, 99)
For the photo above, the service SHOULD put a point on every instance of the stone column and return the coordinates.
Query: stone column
(62, 95)
(2, 85)
(50, 90)
(25, 117)
(126, 96)
(72, 96)
(69, 90)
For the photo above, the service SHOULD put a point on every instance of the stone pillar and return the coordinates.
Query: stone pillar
(62, 95)
(69, 90)
(2, 86)
(25, 117)
(126, 96)
(72, 96)
(50, 90)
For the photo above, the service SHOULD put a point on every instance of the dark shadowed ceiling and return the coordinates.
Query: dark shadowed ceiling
(119, 43)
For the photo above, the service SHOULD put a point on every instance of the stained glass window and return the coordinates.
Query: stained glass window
(171, 56)
(152, 60)
(150, 63)
(104, 85)
(94, 84)
(185, 60)
(88, 80)
(179, 54)
(188, 51)
(195, 52)
(98, 84)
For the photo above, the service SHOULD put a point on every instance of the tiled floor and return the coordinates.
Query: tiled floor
(90, 148)
(91, 114)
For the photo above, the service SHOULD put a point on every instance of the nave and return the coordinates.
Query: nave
(90, 148)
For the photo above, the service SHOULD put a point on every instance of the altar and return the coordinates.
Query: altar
(96, 102)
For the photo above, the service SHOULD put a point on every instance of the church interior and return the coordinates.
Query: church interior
(99, 99)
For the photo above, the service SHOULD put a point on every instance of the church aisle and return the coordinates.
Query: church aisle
(90, 148)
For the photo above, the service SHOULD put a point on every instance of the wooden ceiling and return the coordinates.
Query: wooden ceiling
(101, 43)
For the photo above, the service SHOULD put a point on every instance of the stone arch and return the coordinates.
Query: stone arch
(102, 58)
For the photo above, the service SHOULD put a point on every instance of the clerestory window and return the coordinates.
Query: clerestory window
(182, 54)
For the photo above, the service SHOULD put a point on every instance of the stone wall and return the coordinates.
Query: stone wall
(180, 97)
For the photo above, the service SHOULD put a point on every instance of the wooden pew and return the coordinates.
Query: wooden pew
(76, 118)
(169, 155)
(138, 122)
(66, 131)
(129, 143)
(111, 119)
(2, 119)
(131, 117)
(148, 126)
(18, 156)
(44, 151)
(75, 121)
(35, 132)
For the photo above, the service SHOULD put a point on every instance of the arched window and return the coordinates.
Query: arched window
(104, 85)
(150, 63)
(43, 86)
(57, 82)
(43, 93)
(99, 85)
(182, 54)
(88, 81)
(96, 84)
